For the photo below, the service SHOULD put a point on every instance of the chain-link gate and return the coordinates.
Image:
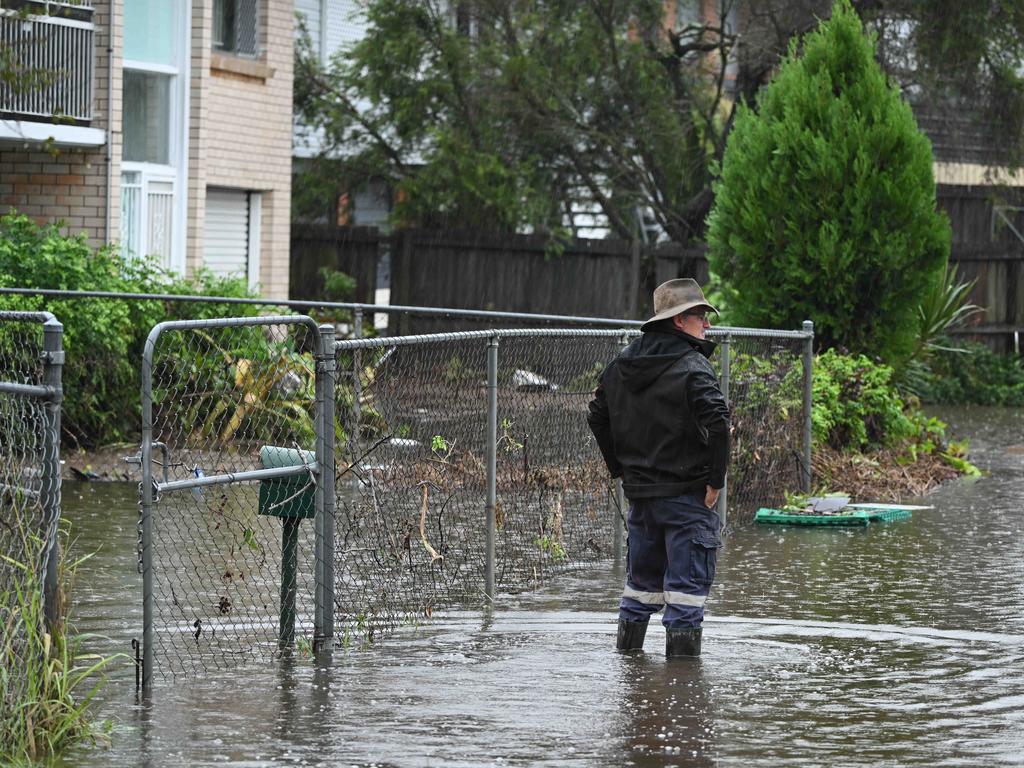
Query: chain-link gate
(31, 357)
(232, 445)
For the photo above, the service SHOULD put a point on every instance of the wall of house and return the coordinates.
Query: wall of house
(240, 133)
(69, 184)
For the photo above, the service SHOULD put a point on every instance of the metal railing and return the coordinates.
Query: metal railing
(31, 360)
(53, 59)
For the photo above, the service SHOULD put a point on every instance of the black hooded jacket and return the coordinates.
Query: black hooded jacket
(660, 418)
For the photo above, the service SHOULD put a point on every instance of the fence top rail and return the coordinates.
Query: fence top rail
(27, 317)
(617, 323)
(724, 332)
(305, 304)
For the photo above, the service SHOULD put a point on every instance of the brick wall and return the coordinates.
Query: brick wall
(70, 184)
(241, 130)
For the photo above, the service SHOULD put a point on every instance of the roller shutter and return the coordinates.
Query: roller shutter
(226, 234)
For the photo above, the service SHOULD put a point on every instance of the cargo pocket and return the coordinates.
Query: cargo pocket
(704, 558)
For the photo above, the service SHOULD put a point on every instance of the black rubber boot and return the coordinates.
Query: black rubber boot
(631, 635)
(682, 642)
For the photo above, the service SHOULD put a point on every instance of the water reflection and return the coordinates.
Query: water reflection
(896, 644)
(670, 712)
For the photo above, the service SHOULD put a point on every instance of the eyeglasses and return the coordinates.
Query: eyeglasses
(701, 315)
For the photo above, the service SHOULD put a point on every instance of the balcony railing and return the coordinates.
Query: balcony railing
(47, 61)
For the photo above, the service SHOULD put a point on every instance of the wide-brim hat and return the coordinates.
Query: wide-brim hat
(675, 296)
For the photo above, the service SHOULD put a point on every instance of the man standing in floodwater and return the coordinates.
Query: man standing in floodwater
(662, 424)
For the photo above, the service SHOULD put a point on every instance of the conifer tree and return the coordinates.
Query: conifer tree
(825, 206)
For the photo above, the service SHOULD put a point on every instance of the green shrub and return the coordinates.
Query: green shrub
(825, 205)
(856, 405)
(976, 375)
(103, 338)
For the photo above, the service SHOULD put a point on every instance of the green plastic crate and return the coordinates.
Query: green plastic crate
(852, 517)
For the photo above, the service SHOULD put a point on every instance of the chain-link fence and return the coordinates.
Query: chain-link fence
(469, 468)
(766, 376)
(463, 468)
(30, 395)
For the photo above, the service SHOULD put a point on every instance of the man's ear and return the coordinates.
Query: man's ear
(677, 321)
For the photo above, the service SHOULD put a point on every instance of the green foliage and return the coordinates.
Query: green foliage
(515, 113)
(825, 208)
(944, 307)
(855, 404)
(46, 681)
(103, 338)
(252, 389)
(975, 375)
(338, 286)
(552, 547)
(967, 54)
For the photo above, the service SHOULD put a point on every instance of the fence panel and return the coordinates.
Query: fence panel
(30, 393)
(411, 479)
(463, 468)
(414, 512)
(766, 387)
(214, 551)
(554, 496)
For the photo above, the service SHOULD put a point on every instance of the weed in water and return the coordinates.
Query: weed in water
(46, 682)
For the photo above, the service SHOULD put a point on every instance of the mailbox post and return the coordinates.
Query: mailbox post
(293, 500)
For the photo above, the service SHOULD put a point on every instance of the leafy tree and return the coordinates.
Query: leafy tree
(826, 204)
(508, 115)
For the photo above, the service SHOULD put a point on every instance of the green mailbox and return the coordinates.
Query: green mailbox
(291, 497)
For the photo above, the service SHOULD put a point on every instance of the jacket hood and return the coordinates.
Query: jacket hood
(656, 351)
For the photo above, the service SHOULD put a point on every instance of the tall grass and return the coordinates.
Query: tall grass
(46, 682)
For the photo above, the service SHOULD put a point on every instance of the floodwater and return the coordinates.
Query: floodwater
(895, 644)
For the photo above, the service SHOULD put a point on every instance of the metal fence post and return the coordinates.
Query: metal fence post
(492, 463)
(53, 362)
(146, 513)
(620, 499)
(723, 497)
(326, 460)
(808, 328)
(357, 384)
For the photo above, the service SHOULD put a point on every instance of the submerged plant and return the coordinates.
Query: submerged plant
(46, 681)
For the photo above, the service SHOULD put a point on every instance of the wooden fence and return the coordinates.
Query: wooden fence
(471, 270)
(987, 224)
(614, 278)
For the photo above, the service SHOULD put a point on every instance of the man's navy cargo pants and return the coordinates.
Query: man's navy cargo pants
(673, 548)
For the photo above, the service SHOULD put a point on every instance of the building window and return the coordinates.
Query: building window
(236, 27)
(146, 117)
(153, 152)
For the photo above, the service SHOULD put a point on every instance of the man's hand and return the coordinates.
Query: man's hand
(711, 496)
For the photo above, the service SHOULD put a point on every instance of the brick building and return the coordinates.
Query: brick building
(174, 130)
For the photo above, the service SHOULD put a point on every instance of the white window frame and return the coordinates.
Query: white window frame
(176, 171)
(255, 208)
